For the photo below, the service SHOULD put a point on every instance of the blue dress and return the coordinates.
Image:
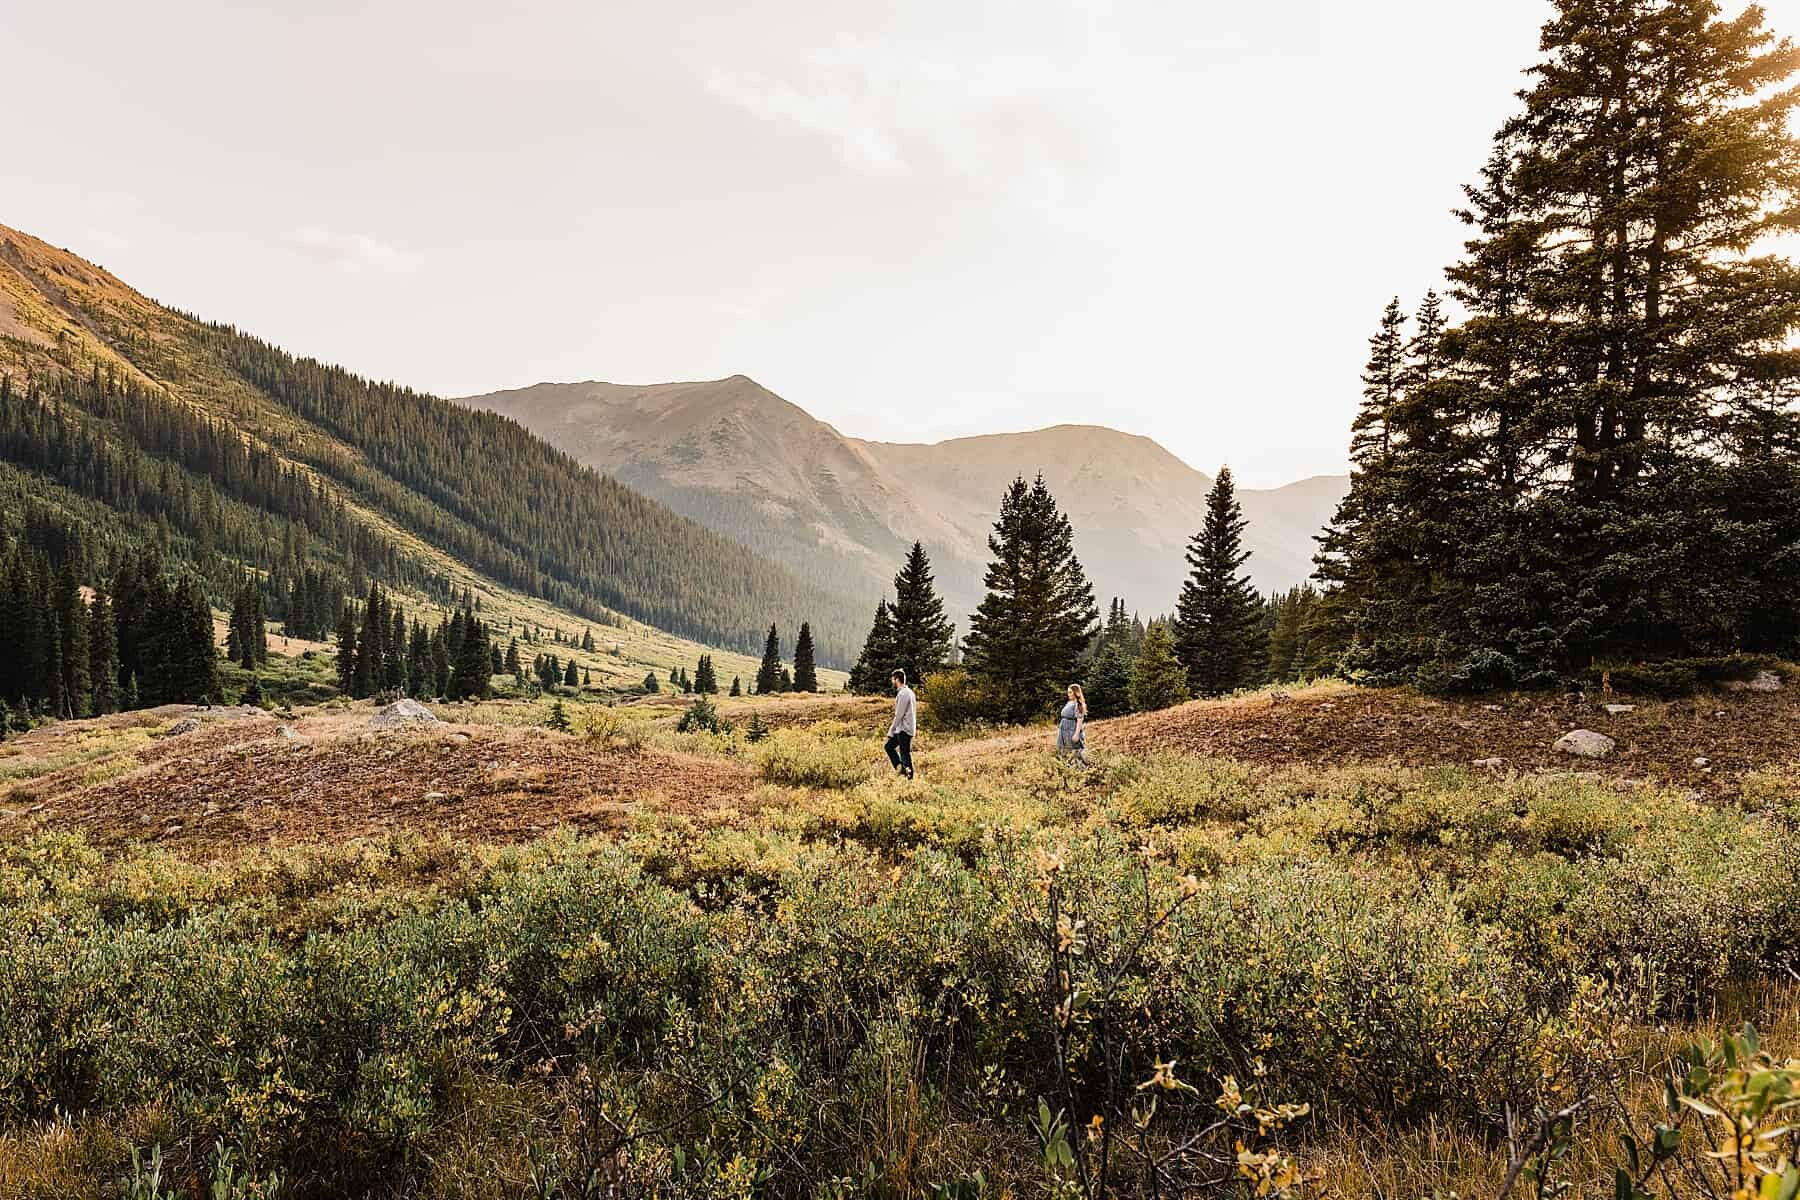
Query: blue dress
(1065, 728)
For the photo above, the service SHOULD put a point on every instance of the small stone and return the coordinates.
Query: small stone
(146, 819)
(1584, 743)
(459, 737)
(1490, 708)
(185, 725)
(211, 808)
(287, 734)
(1619, 710)
(436, 797)
(1703, 761)
(1492, 764)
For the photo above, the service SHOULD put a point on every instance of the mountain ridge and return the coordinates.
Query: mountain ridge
(745, 461)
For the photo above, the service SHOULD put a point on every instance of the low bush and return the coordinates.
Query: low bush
(805, 758)
(951, 699)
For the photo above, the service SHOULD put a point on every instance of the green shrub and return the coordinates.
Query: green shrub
(803, 758)
(702, 716)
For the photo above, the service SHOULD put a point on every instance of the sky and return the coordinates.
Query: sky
(916, 220)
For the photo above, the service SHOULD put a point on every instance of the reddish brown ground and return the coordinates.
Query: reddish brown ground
(1734, 731)
(236, 782)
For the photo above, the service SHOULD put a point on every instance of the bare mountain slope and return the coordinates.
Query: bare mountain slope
(735, 456)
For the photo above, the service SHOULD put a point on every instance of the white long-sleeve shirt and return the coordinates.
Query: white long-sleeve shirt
(906, 716)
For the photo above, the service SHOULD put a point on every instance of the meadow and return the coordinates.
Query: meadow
(1168, 975)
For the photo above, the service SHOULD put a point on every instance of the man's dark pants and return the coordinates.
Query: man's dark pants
(899, 751)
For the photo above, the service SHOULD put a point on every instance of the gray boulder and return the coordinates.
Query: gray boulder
(1584, 743)
(402, 713)
(185, 725)
(1762, 681)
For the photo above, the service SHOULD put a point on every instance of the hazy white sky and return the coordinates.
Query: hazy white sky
(914, 219)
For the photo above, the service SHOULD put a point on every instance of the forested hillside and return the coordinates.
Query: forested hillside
(131, 421)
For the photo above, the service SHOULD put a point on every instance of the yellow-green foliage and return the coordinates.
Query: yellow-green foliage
(820, 757)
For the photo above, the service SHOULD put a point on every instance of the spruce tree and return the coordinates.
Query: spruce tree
(369, 645)
(768, 675)
(346, 651)
(1602, 460)
(1219, 615)
(1158, 677)
(1026, 638)
(922, 634)
(876, 663)
(806, 675)
(572, 676)
(737, 685)
(75, 655)
(706, 681)
(1109, 679)
(651, 684)
(103, 652)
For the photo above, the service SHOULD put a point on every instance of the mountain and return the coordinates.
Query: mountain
(741, 460)
(124, 421)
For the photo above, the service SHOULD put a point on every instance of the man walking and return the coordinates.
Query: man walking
(903, 726)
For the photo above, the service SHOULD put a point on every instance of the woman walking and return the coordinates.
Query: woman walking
(1071, 728)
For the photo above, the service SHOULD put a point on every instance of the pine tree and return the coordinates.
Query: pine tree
(1218, 618)
(75, 655)
(768, 675)
(737, 685)
(1158, 677)
(651, 684)
(472, 669)
(1026, 638)
(369, 653)
(346, 651)
(572, 676)
(512, 664)
(806, 675)
(418, 661)
(103, 652)
(706, 681)
(922, 635)
(559, 716)
(587, 640)
(1601, 461)
(1109, 679)
(877, 662)
(440, 660)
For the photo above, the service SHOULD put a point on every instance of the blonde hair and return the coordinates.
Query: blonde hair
(1080, 698)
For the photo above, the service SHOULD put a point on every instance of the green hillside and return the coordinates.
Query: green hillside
(236, 454)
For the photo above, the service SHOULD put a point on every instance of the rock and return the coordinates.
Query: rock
(1762, 681)
(1490, 708)
(1703, 761)
(459, 737)
(211, 808)
(1492, 764)
(1584, 743)
(402, 713)
(1619, 710)
(185, 725)
(436, 797)
(287, 734)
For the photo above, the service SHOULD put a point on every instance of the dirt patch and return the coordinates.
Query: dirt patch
(1733, 732)
(247, 783)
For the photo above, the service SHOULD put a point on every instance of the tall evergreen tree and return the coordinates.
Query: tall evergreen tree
(1603, 460)
(471, 671)
(346, 651)
(768, 675)
(1109, 679)
(1026, 638)
(922, 634)
(103, 654)
(706, 680)
(737, 685)
(73, 622)
(1219, 615)
(806, 674)
(869, 677)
